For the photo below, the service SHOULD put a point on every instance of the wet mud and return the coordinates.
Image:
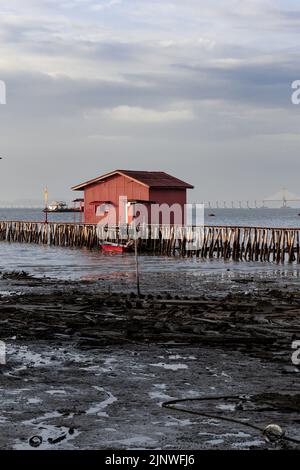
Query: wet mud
(89, 364)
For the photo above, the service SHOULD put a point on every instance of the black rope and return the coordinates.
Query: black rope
(171, 406)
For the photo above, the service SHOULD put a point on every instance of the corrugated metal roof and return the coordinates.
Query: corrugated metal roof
(152, 179)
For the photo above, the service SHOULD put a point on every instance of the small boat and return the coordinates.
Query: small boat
(211, 215)
(60, 206)
(116, 247)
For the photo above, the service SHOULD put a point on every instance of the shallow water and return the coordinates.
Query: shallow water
(68, 263)
(74, 263)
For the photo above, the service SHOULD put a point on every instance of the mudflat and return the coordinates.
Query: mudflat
(89, 364)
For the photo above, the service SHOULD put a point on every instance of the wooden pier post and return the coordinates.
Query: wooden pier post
(236, 243)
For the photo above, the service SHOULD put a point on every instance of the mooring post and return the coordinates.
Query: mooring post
(136, 261)
(46, 197)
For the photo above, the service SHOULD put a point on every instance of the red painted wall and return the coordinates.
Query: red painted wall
(170, 197)
(118, 185)
(111, 190)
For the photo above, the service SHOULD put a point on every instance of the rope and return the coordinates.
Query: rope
(171, 406)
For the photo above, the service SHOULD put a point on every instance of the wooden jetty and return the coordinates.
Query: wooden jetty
(227, 242)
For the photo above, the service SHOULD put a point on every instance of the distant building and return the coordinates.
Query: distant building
(102, 194)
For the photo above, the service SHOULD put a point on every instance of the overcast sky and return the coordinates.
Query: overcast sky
(198, 88)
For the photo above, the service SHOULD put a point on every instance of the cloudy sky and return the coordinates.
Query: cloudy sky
(197, 88)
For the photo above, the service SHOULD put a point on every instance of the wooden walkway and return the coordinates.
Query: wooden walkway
(236, 243)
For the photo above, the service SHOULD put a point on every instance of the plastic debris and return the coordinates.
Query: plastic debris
(273, 433)
(35, 441)
(57, 440)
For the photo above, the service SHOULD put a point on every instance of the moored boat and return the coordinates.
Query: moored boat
(60, 206)
(115, 247)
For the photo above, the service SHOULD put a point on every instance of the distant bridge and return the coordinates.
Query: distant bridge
(282, 197)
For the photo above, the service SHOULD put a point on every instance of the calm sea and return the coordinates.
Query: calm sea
(70, 263)
(254, 217)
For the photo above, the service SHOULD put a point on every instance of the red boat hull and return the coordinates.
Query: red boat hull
(113, 248)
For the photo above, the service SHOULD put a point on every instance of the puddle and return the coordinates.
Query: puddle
(170, 366)
(97, 409)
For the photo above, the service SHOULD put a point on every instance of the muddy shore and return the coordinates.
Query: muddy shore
(88, 364)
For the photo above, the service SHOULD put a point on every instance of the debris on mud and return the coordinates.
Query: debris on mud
(71, 345)
(16, 275)
(259, 327)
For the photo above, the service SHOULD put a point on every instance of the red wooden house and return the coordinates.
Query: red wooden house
(139, 187)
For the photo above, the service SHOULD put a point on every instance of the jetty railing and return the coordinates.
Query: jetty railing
(228, 242)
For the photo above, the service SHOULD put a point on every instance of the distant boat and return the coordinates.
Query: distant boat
(60, 206)
(211, 215)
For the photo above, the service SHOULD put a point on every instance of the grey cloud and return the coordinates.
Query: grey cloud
(40, 95)
(238, 88)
